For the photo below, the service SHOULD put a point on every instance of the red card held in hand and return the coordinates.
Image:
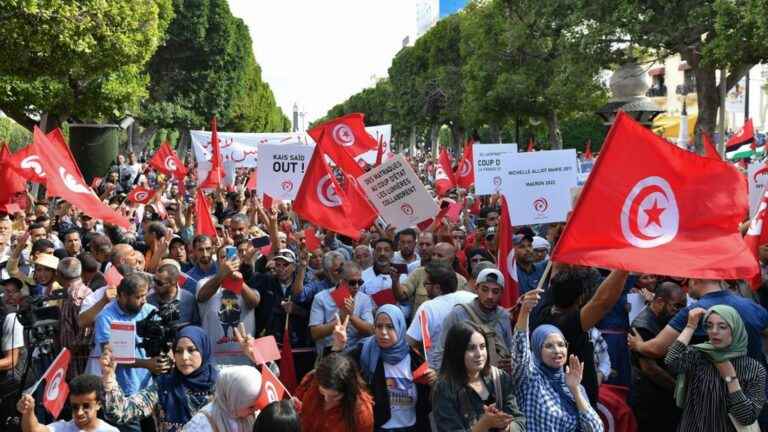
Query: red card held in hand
(385, 296)
(113, 277)
(265, 349)
(420, 372)
(231, 284)
(340, 294)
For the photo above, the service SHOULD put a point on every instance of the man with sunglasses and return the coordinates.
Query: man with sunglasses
(167, 292)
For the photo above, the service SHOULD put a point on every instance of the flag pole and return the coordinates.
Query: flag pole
(544, 275)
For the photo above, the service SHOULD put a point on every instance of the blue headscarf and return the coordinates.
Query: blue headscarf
(554, 376)
(173, 387)
(369, 358)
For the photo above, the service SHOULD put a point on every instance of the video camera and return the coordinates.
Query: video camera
(158, 329)
(41, 320)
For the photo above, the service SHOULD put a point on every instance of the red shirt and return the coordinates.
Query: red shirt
(315, 418)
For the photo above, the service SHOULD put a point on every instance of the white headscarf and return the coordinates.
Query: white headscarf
(237, 387)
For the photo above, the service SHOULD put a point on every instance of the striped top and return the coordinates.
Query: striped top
(707, 401)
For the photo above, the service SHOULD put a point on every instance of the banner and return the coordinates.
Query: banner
(281, 169)
(539, 185)
(240, 149)
(489, 174)
(757, 178)
(398, 194)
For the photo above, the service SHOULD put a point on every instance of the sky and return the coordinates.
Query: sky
(318, 53)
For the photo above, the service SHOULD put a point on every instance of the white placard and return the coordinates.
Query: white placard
(636, 305)
(122, 338)
(757, 176)
(398, 194)
(487, 159)
(538, 185)
(281, 168)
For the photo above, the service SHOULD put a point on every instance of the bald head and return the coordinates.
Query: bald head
(121, 252)
(444, 253)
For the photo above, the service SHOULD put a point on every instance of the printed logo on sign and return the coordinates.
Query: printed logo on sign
(343, 135)
(71, 182)
(649, 216)
(170, 163)
(52, 392)
(287, 185)
(763, 171)
(756, 224)
(326, 193)
(407, 209)
(541, 205)
(497, 181)
(33, 163)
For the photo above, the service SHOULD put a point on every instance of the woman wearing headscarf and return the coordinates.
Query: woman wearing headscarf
(333, 397)
(234, 403)
(718, 386)
(388, 364)
(552, 400)
(173, 398)
(471, 395)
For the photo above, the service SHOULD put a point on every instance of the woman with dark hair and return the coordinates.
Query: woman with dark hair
(471, 395)
(388, 364)
(334, 398)
(172, 398)
(279, 416)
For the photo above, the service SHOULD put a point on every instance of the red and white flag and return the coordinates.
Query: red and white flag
(465, 172)
(167, 162)
(426, 338)
(444, 180)
(506, 258)
(652, 207)
(344, 138)
(216, 174)
(26, 162)
(745, 135)
(63, 179)
(56, 388)
(757, 235)
(141, 195)
(272, 390)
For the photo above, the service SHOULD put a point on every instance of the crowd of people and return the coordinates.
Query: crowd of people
(441, 354)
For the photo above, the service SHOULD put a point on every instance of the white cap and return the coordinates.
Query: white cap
(540, 243)
(491, 275)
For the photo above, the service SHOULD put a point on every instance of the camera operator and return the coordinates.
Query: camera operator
(12, 349)
(71, 334)
(167, 291)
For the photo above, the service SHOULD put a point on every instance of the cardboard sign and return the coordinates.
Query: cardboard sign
(281, 169)
(538, 185)
(398, 194)
(757, 178)
(122, 338)
(489, 173)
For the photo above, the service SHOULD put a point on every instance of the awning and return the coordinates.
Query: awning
(656, 71)
(668, 125)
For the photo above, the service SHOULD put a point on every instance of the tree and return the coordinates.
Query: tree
(80, 60)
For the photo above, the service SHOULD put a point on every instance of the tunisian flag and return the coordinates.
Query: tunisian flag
(344, 138)
(744, 135)
(56, 388)
(63, 179)
(506, 258)
(26, 162)
(141, 195)
(651, 207)
(203, 220)
(321, 200)
(444, 180)
(10, 182)
(757, 235)
(272, 390)
(213, 180)
(167, 162)
(465, 172)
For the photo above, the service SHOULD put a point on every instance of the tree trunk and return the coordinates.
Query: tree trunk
(494, 133)
(183, 149)
(458, 137)
(433, 132)
(554, 136)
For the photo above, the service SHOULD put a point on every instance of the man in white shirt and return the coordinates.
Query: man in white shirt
(379, 276)
(441, 287)
(406, 250)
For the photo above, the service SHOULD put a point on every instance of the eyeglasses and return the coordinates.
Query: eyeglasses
(355, 282)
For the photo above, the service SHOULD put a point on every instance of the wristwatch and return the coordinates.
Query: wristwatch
(729, 379)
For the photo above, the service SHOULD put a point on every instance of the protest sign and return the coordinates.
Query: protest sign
(281, 168)
(398, 194)
(487, 159)
(538, 185)
(757, 178)
(122, 338)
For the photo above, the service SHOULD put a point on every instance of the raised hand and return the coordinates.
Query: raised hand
(573, 373)
(634, 340)
(244, 339)
(108, 364)
(26, 405)
(694, 316)
(340, 333)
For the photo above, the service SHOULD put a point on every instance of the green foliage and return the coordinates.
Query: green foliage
(77, 59)
(13, 134)
(582, 127)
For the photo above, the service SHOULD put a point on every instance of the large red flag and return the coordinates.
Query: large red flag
(710, 151)
(167, 162)
(444, 180)
(26, 162)
(344, 138)
(321, 200)
(507, 260)
(141, 195)
(213, 180)
(744, 135)
(357, 206)
(56, 388)
(651, 207)
(10, 182)
(63, 180)
(203, 221)
(465, 172)
(757, 235)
